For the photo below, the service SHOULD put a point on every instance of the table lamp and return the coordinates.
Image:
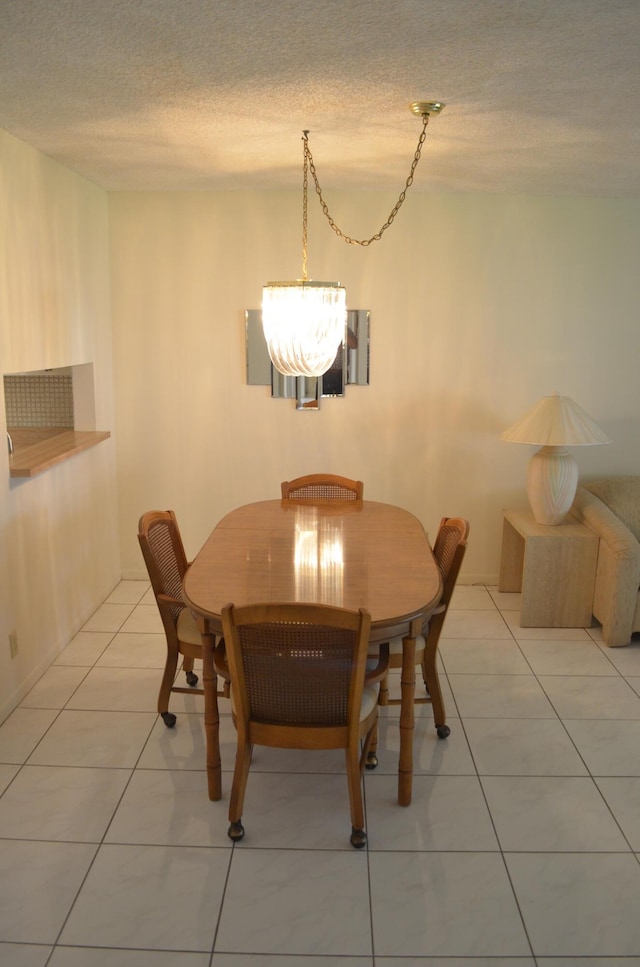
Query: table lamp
(555, 422)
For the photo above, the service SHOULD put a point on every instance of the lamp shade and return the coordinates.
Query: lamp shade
(304, 324)
(556, 421)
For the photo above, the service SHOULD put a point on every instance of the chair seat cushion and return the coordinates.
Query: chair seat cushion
(395, 646)
(369, 700)
(188, 629)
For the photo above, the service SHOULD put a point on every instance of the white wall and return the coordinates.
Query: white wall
(480, 304)
(59, 553)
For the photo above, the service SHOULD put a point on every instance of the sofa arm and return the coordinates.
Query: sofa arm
(618, 568)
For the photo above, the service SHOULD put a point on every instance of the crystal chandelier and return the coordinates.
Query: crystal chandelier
(304, 321)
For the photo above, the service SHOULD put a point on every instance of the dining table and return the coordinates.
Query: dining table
(350, 554)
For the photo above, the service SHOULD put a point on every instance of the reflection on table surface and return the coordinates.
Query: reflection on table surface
(318, 557)
(350, 554)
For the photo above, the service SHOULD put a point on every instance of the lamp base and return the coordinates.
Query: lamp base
(552, 480)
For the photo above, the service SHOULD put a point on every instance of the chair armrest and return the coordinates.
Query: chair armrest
(439, 609)
(220, 663)
(167, 599)
(169, 607)
(378, 672)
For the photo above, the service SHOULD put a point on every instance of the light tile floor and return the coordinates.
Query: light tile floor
(519, 847)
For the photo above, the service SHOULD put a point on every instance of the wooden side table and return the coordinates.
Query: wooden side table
(553, 566)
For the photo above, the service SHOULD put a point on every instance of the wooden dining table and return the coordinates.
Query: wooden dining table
(351, 554)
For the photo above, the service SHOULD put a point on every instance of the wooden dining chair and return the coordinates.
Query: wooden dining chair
(448, 550)
(298, 682)
(166, 562)
(322, 486)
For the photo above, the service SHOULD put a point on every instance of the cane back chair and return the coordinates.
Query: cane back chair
(448, 550)
(298, 682)
(166, 562)
(322, 486)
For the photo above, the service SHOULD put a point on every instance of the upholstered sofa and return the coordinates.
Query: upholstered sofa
(611, 508)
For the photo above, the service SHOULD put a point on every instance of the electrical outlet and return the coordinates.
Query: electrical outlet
(13, 643)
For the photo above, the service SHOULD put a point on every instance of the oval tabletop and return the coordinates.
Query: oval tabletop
(352, 555)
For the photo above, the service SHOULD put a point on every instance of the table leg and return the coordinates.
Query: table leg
(408, 691)
(211, 717)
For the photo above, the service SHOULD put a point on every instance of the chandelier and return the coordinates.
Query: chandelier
(304, 321)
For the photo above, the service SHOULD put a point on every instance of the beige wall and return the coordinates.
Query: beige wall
(59, 553)
(480, 304)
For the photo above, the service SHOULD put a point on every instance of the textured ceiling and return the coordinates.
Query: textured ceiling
(541, 95)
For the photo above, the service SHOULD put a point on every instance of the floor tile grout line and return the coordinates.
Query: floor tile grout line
(128, 782)
(611, 813)
(93, 664)
(136, 767)
(590, 775)
(83, 628)
(372, 935)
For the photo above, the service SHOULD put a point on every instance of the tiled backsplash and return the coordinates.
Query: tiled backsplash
(39, 399)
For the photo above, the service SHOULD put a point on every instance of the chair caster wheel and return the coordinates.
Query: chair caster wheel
(235, 831)
(192, 679)
(358, 837)
(372, 761)
(168, 718)
(443, 731)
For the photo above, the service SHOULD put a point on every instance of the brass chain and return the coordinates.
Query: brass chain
(305, 135)
(308, 161)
